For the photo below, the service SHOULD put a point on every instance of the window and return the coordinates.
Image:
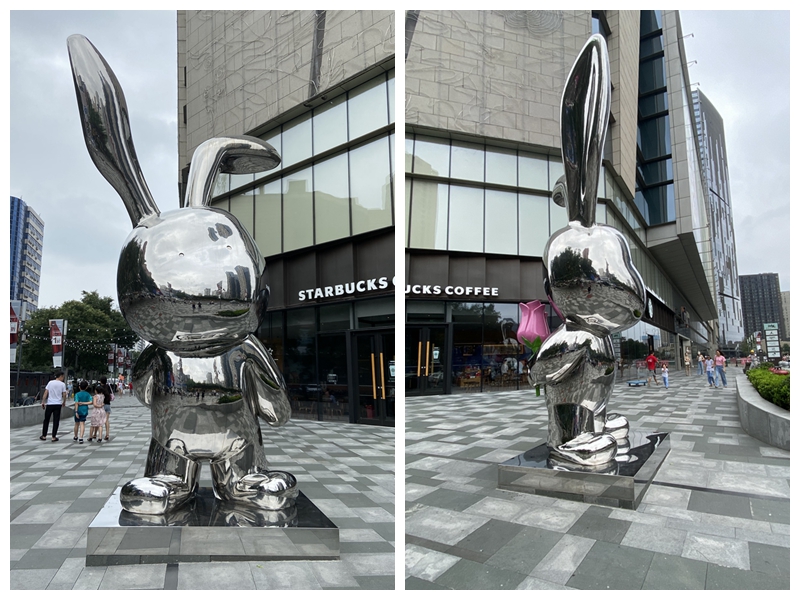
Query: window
(308, 201)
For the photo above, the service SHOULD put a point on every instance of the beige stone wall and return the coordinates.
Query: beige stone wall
(623, 50)
(244, 68)
(497, 74)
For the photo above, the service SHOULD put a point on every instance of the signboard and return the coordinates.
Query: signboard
(16, 317)
(58, 331)
(773, 340)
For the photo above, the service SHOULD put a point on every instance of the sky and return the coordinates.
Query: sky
(742, 67)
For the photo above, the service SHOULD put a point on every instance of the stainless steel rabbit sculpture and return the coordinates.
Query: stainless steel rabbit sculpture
(590, 280)
(190, 281)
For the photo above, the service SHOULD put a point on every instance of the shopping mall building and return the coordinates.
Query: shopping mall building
(319, 87)
(483, 92)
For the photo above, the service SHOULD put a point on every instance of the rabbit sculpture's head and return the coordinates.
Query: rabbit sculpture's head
(591, 279)
(189, 280)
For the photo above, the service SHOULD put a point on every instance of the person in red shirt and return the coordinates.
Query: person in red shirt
(651, 361)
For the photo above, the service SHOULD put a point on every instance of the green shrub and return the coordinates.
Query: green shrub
(773, 388)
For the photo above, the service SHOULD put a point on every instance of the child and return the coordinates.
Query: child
(83, 400)
(710, 371)
(98, 418)
(665, 374)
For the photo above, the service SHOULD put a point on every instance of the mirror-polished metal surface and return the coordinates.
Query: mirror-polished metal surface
(235, 155)
(192, 283)
(104, 117)
(591, 281)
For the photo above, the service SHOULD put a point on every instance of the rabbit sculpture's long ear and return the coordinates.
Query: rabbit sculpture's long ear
(585, 107)
(104, 116)
(234, 155)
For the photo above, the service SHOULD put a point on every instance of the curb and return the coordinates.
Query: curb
(759, 418)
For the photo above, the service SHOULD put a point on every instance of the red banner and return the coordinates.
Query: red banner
(57, 327)
(14, 325)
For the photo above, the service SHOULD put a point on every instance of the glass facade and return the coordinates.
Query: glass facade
(655, 193)
(335, 178)
(334, 183)
(470, 197)
(317, 350)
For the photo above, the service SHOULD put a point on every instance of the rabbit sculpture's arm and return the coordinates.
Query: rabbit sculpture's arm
(265, 389)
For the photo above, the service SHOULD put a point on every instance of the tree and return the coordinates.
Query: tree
(785, 349)
(93, 325)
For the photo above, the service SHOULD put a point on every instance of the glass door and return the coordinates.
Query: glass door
(426, 360)
(375, 376)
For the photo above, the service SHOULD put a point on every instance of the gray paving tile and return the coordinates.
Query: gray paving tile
(31, 579)
(655, 538)
(595, 524)
(720, 504)
(215, 576)
(481, 544)
(727, 578)
(422, 563)
(469, 575)
(669, 572)
(43, 558)
(283, 576)
(717, 550)
(774, 511)
(560, 563)
(768, 559)
(525, 550)
(610, 567)
(440, 525)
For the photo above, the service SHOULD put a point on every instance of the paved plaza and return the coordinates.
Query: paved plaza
(716, 516)
(347, 470)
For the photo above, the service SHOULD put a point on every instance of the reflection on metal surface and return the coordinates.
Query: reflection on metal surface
(192, 282)
(591, 282)
(621, 482)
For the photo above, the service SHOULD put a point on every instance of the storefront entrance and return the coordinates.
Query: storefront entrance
(373, 361)
(426, 360)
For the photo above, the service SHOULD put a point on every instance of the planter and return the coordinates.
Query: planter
(759, 418)
(24, 416)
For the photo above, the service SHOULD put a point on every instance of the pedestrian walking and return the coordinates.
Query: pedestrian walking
(701, 363)
(54, 397)
(83, 400)
(720, 364)
(108, 396)
(98, 416)
(710, 371)
(665, 375)
(651, 361)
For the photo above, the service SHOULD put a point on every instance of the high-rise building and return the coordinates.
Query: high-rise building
(761, 302)
(318, 86)
(27, 237)
(786, 314)
(714, 160)
(483, 151)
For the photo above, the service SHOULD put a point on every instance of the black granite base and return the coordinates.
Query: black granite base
(620, 484)
(208, 530)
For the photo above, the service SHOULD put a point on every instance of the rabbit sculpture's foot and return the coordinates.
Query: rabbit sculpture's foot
(155, 495)
(588, 449)
(616, 425)
(274, 490)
